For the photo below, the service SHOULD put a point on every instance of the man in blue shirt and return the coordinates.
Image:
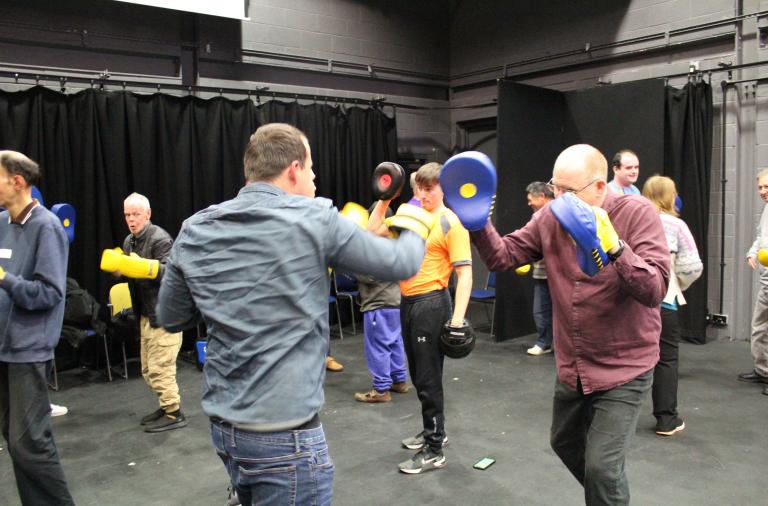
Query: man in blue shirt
(33, 270)
(626, 169)
(255, 269)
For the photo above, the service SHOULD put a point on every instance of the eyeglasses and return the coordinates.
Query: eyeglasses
(554, 187)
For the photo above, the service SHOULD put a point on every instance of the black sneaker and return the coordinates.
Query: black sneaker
(169, 421)
(677, 426)
(417, 442)
(425, 460)
(155, 415)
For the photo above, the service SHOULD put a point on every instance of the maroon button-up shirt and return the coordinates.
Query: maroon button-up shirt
(606, 327)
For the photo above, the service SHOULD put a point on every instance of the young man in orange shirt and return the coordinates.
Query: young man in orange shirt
(424, 311)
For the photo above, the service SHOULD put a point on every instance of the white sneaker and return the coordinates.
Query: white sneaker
(538, 350)
(57, 410)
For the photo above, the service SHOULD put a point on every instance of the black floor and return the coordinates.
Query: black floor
(498, 403)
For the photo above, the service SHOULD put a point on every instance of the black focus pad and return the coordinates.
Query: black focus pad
(457, 342)
(388, 179)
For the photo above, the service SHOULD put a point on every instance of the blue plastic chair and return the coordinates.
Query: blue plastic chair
(332, 300)
(346, 287)
(486, 296)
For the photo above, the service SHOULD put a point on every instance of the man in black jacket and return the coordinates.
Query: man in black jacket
(159, 348)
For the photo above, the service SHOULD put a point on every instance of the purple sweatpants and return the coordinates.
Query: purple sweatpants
(384, 347)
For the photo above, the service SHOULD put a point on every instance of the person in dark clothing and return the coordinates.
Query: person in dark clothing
(33, 273)
(159, 348)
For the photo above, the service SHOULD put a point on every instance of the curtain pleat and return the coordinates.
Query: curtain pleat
(184, 153)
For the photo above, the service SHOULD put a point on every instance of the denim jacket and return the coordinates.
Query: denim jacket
(255, 269)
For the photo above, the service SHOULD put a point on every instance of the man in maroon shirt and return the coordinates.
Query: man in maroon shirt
(606, 327)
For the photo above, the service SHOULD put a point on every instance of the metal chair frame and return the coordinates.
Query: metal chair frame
(345, 287)
(485, 296)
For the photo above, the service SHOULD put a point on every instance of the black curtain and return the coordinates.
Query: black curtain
(688, 156)
(535, 125)
(184, 153)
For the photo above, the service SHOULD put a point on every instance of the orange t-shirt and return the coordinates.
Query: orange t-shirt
(447, 247)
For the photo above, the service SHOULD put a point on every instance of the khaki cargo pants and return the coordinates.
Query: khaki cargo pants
(159, 350)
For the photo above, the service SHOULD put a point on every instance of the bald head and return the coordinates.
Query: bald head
(583, 170)
(584, 160)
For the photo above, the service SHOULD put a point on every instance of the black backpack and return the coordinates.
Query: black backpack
(81, 310)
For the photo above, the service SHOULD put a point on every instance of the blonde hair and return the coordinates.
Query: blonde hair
(661, 191)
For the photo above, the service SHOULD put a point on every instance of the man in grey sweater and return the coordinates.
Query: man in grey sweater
(759, 338)
(33, 270)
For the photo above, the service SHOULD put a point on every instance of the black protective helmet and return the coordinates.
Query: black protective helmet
(457, 342)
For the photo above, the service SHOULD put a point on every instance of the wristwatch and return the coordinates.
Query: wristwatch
(615, 256)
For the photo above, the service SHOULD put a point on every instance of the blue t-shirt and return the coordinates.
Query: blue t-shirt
(617, 188)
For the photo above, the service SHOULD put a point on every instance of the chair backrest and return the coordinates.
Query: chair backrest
(119, 297)
(491, 283)
(344, 283)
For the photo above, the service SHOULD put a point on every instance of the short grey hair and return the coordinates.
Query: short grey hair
(539, 188)
(137, 199)
(762, 173)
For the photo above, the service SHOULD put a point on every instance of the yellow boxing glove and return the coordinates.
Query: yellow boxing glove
(523, 270)
(110, 259)
(134, 266)
(609, 239)
(357, 213)
(413, 218)
(131, 266)
(762, 256)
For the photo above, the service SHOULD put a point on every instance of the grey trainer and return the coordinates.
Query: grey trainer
(424, 460)
(417, 442)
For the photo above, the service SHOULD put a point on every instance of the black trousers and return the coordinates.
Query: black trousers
(422, 318)
(591, 434)
(25, 419)
(664, 390)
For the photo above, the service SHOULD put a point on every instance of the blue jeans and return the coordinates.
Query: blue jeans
(384, 347)
(591, 435)
(287, 468)
(542, 312)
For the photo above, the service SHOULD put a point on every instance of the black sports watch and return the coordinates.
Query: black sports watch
(615, 256)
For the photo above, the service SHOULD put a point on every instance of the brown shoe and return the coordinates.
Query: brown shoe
(373, 396)
(400, 388)
(332, 365)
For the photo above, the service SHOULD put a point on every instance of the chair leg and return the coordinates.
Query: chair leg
(352, 315)
(338, 320)
(487, 316)
(125, 362)
(106, 356)
(493, 316)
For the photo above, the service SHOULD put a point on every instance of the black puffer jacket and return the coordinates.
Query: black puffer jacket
(152, 242)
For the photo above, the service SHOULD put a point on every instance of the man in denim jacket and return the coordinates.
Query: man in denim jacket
(255, 269)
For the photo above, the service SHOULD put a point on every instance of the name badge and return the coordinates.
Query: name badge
(5, 253)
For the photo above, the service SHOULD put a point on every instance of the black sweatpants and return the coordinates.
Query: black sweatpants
(422, 318)
(25, 419)
(664, 392)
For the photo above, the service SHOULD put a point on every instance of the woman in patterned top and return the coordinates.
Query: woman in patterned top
(686, 268)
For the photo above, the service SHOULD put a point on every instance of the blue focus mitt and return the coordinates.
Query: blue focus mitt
(678, 204)
(66, 213)
(468, 181)
(578, 219)
(37, 195)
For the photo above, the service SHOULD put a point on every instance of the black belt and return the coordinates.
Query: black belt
(312, 423)
(424, 296)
